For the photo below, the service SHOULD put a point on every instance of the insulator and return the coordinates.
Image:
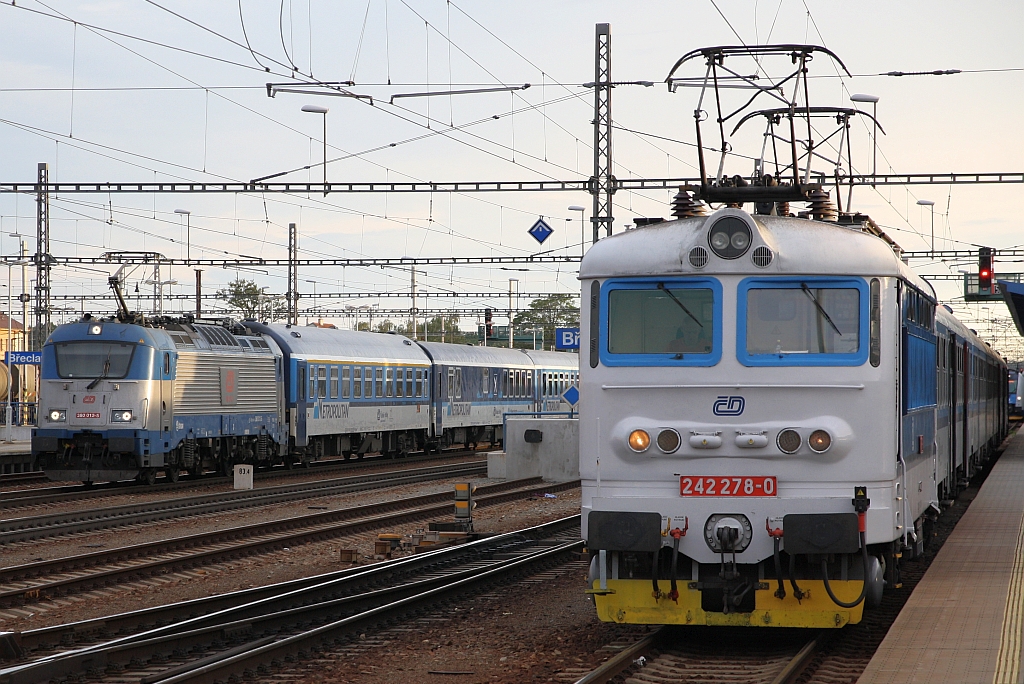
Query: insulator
(685, 206)
(820, 206)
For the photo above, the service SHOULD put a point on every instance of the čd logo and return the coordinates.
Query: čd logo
(729, 406)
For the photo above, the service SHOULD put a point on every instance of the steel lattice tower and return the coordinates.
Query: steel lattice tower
(602, 183)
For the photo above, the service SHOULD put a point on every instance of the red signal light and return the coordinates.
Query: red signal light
(985, 255)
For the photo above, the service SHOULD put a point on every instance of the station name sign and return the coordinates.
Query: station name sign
(32, 358)
(567, 338)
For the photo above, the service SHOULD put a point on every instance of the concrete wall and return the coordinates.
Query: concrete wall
(556, 458)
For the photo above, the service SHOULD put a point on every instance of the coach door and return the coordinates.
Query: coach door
(951, 395)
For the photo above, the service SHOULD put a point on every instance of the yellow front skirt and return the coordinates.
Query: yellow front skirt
(633, 602)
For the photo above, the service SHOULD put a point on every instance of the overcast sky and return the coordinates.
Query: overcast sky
(81, 89)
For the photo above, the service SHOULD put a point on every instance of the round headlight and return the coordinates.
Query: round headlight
(639, 440)
(54, 415)
(720, 241)
(729, 237)
(788, 440)
(668, 440)
(819, 441)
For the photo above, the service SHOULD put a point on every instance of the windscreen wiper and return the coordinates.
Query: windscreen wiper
(106, 369)
(821, 310)
(661, 286)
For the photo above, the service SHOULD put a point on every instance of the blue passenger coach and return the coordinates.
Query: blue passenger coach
(349, 393)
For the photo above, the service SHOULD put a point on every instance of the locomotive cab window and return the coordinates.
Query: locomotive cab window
(653, 322)
(95, 359)
(802, 322)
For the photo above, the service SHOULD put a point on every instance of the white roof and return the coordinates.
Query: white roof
(329, 343)
(554, 359)
(466, 355)
(800, 246)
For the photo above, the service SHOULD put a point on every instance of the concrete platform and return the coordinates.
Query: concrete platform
(964, 621)
(538, 447)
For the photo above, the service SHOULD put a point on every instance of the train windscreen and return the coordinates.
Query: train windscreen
(656, 321)
(803, 321)
(93, 359)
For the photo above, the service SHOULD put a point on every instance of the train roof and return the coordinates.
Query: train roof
(799, 246)
(466, 355)
(554, 359)
(111, 331)
(312, 342)
(945, 318)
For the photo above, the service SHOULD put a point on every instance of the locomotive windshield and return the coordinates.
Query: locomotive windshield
(93, 359)
(803, 320)
(661, 320)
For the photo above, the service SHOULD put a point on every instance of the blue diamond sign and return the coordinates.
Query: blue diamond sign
(572, 396)
(541, 231)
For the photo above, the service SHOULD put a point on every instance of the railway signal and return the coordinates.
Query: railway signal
(464, 504)
(985, 270)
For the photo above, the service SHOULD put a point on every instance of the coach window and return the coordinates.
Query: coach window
(380, 383)
(300, 385)
(312, 383)
(485, 386)
(357, 382)
(346, 377)
(802, 322)
(389, 382)
(654, 322)
(322, 384)
(334, 382)
(419, 382)
(458, 383)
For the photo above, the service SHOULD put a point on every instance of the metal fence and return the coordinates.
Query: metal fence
(22, 413)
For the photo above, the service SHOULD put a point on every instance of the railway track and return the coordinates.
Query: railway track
(692, 655)
(88, 520)
(31, 497)
(21, 478)
(253, 632)
(62, 576)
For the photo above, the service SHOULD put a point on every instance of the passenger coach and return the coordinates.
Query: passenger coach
(773, 414)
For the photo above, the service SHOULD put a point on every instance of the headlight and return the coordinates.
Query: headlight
(668, 440)
(58, 415)
(95, 329)
(639, 440)
(120, 416)
(820, 441)
(788, 441)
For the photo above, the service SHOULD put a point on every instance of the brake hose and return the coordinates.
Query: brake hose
(674, 593)
(781, 593)
(863, 589)
(654, 574)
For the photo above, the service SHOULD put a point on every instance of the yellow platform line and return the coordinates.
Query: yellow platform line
(1008, 661)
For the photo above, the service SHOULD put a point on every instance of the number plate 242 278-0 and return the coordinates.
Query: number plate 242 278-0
(727, 486)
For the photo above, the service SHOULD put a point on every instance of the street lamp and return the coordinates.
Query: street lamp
(313, 283)
(873, 99)
(317, 109)
(511, 334)
(188, 232)
(929, 203)
(583, 239)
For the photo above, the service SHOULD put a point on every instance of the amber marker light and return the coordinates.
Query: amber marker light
(639, 440)
(819, 441)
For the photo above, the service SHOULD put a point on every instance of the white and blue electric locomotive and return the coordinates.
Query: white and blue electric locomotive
(774, 409)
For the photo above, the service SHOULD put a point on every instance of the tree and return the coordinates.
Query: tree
(251, 300)
(553, 311)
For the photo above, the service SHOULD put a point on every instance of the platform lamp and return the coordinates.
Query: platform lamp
(931, 205)
(583, 239)
(317, 109)
(873, 99)
(188, 231)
